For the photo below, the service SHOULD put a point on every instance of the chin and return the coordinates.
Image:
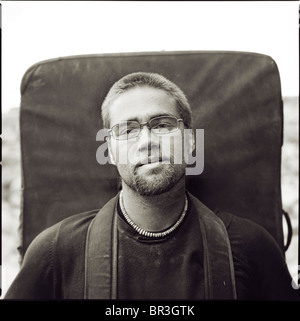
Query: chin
(152, 190)
(154, 181)
(156, 184)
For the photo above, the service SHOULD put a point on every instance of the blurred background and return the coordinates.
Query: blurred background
(35, 31)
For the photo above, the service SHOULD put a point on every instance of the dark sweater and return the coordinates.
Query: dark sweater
(166, 268)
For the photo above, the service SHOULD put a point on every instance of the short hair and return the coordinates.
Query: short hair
(151, 80)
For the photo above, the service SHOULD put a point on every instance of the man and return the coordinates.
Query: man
(154, 240)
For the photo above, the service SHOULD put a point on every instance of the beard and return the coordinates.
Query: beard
(152, 170)
(154, 181)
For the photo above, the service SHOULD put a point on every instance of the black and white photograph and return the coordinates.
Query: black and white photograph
(150, 152)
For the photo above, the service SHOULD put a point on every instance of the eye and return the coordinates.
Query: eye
(127, 130)
(163, 124)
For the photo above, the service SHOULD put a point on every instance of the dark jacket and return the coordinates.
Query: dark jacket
(54, 264)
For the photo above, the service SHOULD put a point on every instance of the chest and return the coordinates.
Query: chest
(166, 269)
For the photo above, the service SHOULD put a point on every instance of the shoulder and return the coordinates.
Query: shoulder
(59, 242)
(253, 246)
(248, 235)
(258, 258)
(39, 275)
(259, 263)
(244, 229)
(78, 223)
(69, 229)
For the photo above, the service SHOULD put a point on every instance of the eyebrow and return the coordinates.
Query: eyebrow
(153, 116)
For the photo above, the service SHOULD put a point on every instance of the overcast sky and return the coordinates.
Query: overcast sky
(40, 30)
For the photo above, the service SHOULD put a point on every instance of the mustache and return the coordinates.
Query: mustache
(149, 155)
(152, 159)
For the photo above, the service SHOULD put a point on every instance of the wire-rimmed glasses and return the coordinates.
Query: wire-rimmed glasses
(130, 129)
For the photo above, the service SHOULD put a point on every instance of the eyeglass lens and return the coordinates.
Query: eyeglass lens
(131, 129)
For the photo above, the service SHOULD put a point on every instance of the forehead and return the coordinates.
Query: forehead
(141, 104)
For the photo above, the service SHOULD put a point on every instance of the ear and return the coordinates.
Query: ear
(191, 142)
(110, 153)
(189, 145)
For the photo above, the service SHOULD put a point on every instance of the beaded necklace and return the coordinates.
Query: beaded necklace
(143, 232)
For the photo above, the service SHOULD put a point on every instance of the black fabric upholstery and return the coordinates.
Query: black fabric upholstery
(235, 97)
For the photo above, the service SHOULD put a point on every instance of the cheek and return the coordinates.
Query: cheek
(124, 153)
(172, 145)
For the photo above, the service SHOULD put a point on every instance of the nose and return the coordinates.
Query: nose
(146, 140)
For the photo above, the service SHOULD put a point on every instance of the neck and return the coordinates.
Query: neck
(155, 213)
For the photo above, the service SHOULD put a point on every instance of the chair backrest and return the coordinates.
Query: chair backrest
(235, 97)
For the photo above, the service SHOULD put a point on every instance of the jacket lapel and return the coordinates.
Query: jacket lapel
(102, 252)
(219, 276)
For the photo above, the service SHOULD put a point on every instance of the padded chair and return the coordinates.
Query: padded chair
(235, 98)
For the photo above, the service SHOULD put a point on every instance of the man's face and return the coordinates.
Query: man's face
(149, 167)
